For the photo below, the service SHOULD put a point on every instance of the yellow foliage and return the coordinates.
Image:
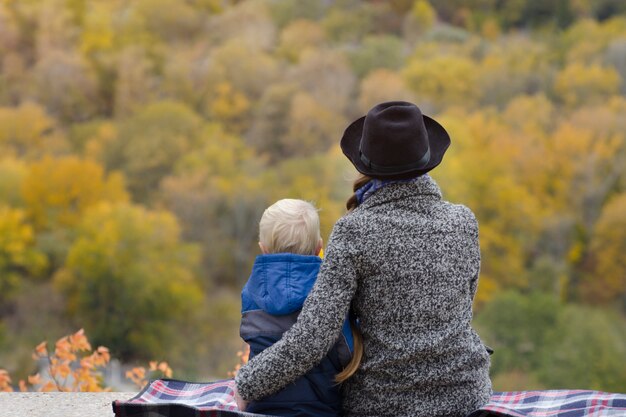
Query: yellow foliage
(12, 173)
(229, 105)
(443, 80)
(382, 85)
(27, 131)
(104, 138)
(490, 29)
(420, 19)
(18, 256)
(578, 84)
(299, 36)
(98, 34)
(607, 281)
(57, 192)
(477, 173)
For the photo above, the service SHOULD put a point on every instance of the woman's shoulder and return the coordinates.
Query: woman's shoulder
(461, 215)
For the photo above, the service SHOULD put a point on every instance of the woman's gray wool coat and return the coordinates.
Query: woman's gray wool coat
(407, 262)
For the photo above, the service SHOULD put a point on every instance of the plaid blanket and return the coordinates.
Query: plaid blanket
(172, 398)
(556, 403)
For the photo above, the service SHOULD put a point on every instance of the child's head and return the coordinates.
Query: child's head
(290, 226)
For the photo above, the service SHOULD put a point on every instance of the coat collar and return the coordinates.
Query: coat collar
(423, 187)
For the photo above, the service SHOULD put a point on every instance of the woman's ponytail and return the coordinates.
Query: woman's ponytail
(353, 201)
(357, 355)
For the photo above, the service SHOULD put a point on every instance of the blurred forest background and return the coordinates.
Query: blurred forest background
(141, 140)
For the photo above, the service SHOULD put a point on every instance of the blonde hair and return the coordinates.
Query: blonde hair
(291, 226)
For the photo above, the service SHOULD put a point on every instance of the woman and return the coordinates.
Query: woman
(406, 263)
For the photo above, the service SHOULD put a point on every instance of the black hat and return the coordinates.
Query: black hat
(395, 139)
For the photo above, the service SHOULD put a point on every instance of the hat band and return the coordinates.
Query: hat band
(396, 168)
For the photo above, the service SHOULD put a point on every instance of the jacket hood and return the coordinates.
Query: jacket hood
(279, 283)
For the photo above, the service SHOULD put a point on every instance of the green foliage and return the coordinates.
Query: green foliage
(607, 282)
(377, 52)
(149, 144)
(517, 326)
(557, 345)
(19, 258)
(585, 350)
(12, 173)
(219, 193)
(128, 274)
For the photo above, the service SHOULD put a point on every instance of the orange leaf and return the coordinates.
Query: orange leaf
(5, 381)
(48, 387)
(78, 341)
(34, 379)
(64, 370)
(41, 349)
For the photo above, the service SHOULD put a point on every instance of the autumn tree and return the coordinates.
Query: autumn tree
(57, 192)
(248, 21)
(66, 85)
(419, 20)
(28, 132)
(607, 278)
(128, 277)
(270, 124)
(448, 80)
(326, 76)
(578, 83)
(136, 83)
(150, 142)
(383, 85)
(246, 67)
(218, 192)
(313, 128)
(19, 259)
(508, 213)
(377, 52)
(345, 26)
(181, 21)
(12, 173)
(299, 36)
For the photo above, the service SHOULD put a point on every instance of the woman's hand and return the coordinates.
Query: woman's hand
(241, 403)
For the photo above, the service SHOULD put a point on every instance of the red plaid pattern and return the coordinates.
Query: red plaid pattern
(172, 398)
(554, 403)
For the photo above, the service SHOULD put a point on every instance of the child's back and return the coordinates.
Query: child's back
(271, 301)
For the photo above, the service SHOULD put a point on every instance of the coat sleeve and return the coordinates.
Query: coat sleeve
(474, 248)
(317, 329)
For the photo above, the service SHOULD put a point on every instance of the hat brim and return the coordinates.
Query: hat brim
(438, 140)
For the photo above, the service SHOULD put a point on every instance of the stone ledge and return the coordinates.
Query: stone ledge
(60, 404)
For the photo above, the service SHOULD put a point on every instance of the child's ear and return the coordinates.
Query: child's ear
(263, 249)
(318, 248)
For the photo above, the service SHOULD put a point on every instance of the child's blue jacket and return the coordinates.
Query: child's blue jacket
(270, 303)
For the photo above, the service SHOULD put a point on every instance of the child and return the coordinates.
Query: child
(281, 278)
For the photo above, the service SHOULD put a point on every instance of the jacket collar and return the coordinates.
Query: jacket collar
(279, 283)
(423, 187)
